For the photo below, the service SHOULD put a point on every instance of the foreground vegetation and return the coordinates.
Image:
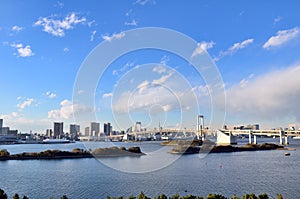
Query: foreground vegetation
(163, 196)
(210, 147)
(75, 153)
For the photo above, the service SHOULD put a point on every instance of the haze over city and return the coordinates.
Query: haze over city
(255, 46)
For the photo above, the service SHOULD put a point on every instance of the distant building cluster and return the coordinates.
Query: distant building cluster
(243, 127)
(7, 135)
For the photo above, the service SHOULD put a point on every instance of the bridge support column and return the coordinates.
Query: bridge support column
(254, 141)
(286, 142)
(250, 137)
(280, 137)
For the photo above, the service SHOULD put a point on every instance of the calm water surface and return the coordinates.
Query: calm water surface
(227, 173)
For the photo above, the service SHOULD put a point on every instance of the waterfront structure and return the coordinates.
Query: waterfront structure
(74, 131)
(58, 130)
(226, 138)
(95, 129)
(107, 128)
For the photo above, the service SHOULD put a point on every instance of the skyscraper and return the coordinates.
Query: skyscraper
(87, 131)
(1, 125)
(74, 130)
(107, 128)
(95, 126)
(58, 129)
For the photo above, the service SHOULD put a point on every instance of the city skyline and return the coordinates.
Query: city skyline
(254, 45)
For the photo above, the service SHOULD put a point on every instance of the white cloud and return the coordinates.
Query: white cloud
(17, 28)
(66, 49)
(245, 81)
(93, 35)
(271, 96)
(144, 2)
(123, 68)
(50, 94)
(23, 51)
(203, 46)
(128, 12)
(57, 27)
(277, 19)
(132, 23)
(169, 92)
(159, 69)
(163, 78)
(67, 110)
(113, 36)
(234, 48)
(106, 95)
(59, 4)
(282, 37)
(25, 103)
(164, 60)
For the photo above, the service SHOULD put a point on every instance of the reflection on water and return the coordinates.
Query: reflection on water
(227, 173)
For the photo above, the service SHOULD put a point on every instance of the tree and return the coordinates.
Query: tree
(142, 196)
(16, 196)
(215, 196)
(162, 196)
(234, 197)
(4, 153)
(263, 196)
(249, 196)
(2, 194)
(25, 197)
(279, 196)
(64, 197)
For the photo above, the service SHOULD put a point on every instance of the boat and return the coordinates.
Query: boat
(55, 141)
(287, 154)
(296, 137)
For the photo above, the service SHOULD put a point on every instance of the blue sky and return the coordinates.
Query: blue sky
(255, 46)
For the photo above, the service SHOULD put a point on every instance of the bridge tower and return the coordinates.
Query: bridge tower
(200, 127)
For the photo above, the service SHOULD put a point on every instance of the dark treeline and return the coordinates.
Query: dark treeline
(3, 195)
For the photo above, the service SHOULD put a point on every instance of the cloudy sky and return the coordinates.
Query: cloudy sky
(255, 47)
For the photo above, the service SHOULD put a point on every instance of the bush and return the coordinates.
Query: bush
(263, 196)
(249, 196)
(279, 196)
(215, 196)
(4, 153)
(142, 196)
(2, 194)
(16, 196)
(134, 149)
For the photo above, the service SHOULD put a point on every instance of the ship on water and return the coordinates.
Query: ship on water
(56, 141)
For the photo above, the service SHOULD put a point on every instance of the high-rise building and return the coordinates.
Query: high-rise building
(1, 125)
(87, 131)
(107, 128)
(58, 129)
(74, 130)
(49, 133)
(95, 128)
